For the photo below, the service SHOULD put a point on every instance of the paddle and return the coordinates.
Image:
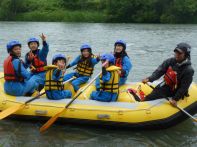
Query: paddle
(55, 117)
(189, 115)
(15, 108)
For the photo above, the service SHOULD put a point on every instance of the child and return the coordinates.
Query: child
(107, 85)
(122, 60)
(54, 79)
(36, 59)
(17, 78)
(85, 66)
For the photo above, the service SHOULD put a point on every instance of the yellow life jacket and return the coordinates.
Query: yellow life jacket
(51, 84)
(113, 84)
(84, 67)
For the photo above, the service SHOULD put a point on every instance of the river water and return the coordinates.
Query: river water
(147, 45)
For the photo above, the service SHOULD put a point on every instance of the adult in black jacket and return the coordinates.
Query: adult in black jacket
(178, 75)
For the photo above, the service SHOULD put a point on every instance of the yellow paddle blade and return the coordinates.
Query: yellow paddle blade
(51, 121)
(10, 111)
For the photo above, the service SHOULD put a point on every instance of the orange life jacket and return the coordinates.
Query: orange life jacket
(38, 65)
(118, 63)
(170, 78)
(9, 72)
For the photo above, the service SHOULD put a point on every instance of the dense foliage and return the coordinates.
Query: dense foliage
(137, 11)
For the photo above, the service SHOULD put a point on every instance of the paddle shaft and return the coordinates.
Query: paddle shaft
(81, 91)
(38, 96)
(195, 119)
(69, 80)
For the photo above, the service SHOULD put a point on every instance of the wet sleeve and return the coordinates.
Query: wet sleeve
(95, 61)
(184, 85)
(20, 69)
(44, 51)
(97, 84)
(160, 71)
(57, 74)
(27, 62)
(106, 77)
(126, 67)
(104, 71)
(74, 62)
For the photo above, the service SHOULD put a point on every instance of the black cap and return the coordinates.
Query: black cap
(183, 47)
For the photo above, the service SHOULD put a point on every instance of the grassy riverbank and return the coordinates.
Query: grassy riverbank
(129, 11)
(62, 16)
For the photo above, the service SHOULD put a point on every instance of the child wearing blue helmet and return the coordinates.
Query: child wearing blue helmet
(36, 59)
(18, 81)
(85, 66)
(107, 85)
(54, 86)
(122, 60)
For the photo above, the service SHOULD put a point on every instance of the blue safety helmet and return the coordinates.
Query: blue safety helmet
(33, 40)
(58, 57)
(12, 44)
(86, 46)
(109, 57)
(122, 42)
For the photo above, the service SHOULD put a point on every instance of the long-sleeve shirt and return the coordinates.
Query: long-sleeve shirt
(184, 71)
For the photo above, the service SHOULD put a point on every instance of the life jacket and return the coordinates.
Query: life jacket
(84, 68)
(118, 63)
(113, 84)
(37, 64)
(51, 84)
(138, 94)
(170, 78)
(9, 72)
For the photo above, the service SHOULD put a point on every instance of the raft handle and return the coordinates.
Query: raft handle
(4, 102)
(40, 112)
(103, 116)
(148, 111)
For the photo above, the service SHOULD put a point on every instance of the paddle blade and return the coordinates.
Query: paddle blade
(10, 111)
(51, 121)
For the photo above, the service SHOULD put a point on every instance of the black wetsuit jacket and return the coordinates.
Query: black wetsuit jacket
(185, 74)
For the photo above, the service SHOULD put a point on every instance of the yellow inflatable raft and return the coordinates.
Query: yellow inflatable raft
(126, 112)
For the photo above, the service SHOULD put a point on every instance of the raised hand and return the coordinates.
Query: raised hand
(105, 64)
(30, 56)
(43, 37)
